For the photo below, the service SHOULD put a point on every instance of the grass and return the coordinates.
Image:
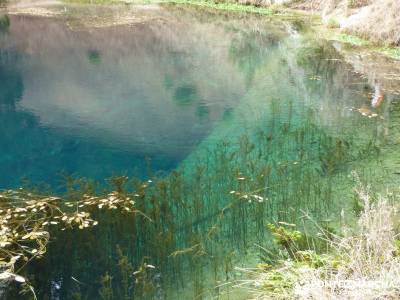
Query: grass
(350, 39)
(94, 2)
(393, 52)
(225, 198)
(331, 34)
(205, 214)
(225, 6)
(361, 263)
(378, 22)
(228, 6)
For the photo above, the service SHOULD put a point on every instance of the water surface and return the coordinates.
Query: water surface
(101, 101)
(237, 119)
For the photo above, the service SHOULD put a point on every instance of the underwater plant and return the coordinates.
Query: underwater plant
(4, 22)
(360, 262)
(26, 220)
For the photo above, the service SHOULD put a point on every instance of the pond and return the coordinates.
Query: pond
(109, 100)
(231, 120)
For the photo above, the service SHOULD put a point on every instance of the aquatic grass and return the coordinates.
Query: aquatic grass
(27, 222)
(4, 22)
(209, 212)
(358, 262)
(226, 196)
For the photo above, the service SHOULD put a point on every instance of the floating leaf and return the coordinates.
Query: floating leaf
(19, 278)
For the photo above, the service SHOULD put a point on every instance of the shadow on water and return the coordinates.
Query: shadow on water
(270, 129)
(94, 57)
(249, 50)
(4, 22)
(185, 95)
(11, 81)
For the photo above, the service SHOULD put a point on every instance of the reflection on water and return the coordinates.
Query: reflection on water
(249, 124)
(100, 101)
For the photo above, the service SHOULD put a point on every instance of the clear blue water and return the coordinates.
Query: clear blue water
(204, 104)
(108, 101)
(134, 99)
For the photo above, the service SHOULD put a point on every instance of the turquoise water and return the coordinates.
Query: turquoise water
(229, 121)
(107, 101)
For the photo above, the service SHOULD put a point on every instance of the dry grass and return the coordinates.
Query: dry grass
(376, 20)
(368, 265)
(379, 22)
(362, 264)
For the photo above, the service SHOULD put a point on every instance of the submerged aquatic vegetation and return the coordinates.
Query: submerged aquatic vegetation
(26, 220)
(207, 214)
(94, 57)
(4, 22)
(360, 262)
(224, 195)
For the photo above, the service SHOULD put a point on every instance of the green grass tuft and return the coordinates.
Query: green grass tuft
(350, 39)
(393, 52)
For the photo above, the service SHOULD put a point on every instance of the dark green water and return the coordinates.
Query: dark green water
(237, 120)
